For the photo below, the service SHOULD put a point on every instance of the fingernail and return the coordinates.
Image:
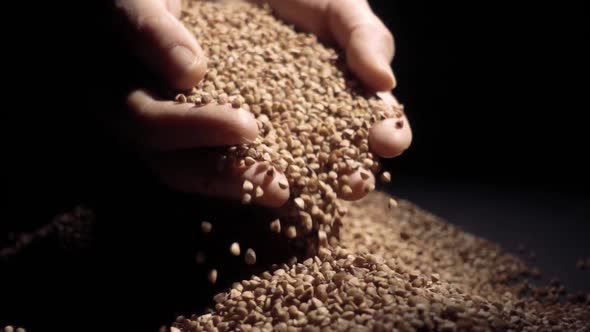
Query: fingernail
(248, 125)
(387, 68)
(184, 57)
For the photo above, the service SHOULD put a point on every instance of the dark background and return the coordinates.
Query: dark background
(497, 96)
(496, 92)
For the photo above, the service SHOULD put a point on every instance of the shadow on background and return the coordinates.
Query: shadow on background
(496, 94)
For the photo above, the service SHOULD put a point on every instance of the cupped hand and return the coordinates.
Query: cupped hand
(178, 139)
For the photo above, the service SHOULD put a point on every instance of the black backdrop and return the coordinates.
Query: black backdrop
(496, 93)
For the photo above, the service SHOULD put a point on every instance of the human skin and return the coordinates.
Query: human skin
(173, 137)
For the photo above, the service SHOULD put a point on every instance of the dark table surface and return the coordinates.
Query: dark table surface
(552, 227)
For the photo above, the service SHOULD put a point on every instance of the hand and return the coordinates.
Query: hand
(176, 135)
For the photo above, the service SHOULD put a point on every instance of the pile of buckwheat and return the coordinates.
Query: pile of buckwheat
(397, 268)
(379, 267)
(313, 117)
(370, 265)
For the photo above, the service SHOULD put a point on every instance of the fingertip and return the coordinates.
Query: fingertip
(375, 73)
(208, 173)
(190, 64)
(368, 53)
(187, 57)
(168, 125)
(278, 194)
(361, 182)
(220, 124)
(246, 124)
(274, 184)
(169, 48)
(390, 137)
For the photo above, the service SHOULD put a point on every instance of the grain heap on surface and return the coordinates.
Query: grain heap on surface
(395, 269)
(313, 117)
(393, 266)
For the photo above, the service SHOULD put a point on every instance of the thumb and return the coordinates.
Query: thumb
(163, 43)
(369, 45)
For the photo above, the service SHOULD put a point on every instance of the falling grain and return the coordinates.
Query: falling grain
(212, 276)
(234, 249)
(250, 257)
(206, 227)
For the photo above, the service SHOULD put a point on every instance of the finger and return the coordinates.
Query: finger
(197, 171)
(174, 6)
(308, 15)
(168, 125)
(390, 137)
(360, 182)
(163, 43)
(368, 43)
